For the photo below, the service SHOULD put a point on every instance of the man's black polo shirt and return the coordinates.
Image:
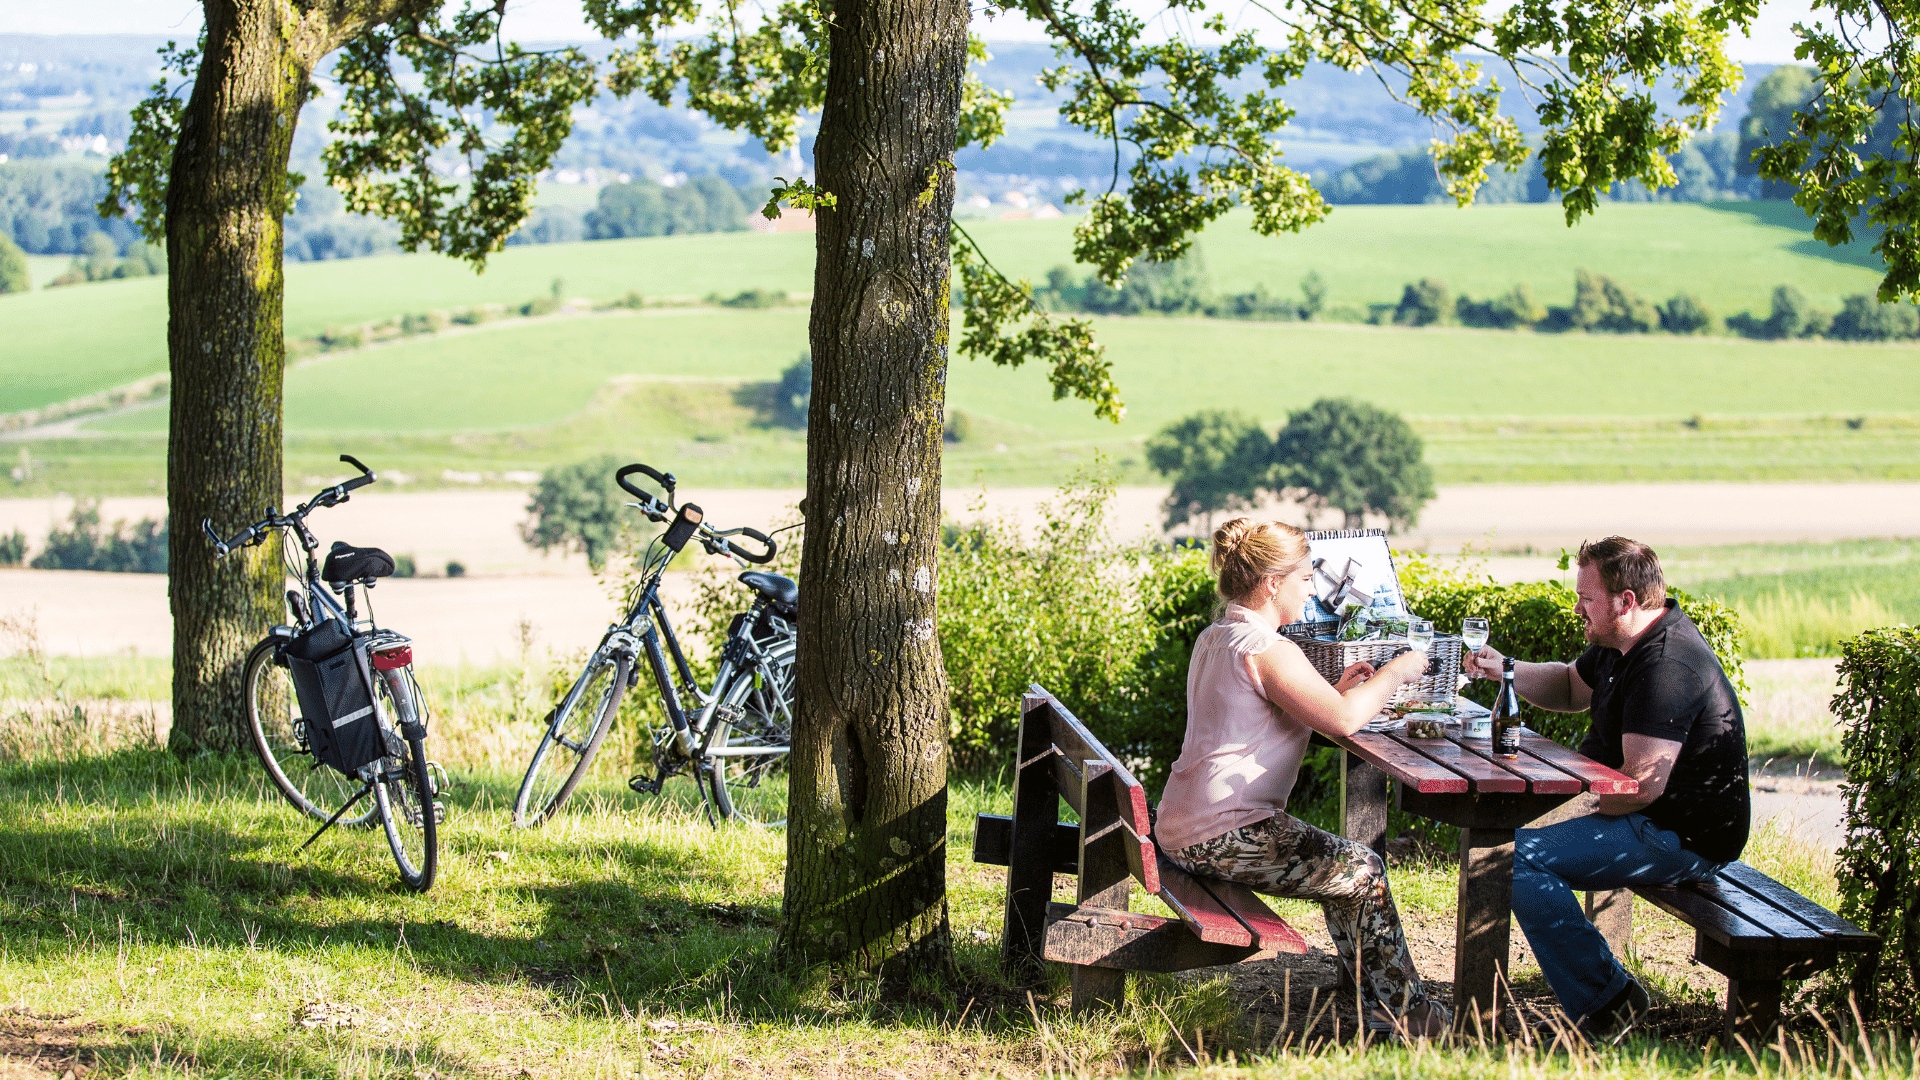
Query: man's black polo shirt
(1670, 686)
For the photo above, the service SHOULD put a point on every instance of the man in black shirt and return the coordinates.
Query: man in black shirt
(1664, 713)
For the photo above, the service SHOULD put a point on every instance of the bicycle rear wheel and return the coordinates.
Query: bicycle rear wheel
(575, 730)
(755, 720)
(280, 738)
(409, 814)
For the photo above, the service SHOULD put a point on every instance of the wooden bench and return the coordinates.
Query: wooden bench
(1748, 927)
(1110, 849)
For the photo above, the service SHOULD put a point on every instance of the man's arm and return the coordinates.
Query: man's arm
(1648, 760)
(1554, 687)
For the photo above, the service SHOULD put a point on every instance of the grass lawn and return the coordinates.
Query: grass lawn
(159, 924)
(65, 343)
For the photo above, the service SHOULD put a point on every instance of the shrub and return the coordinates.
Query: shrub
(1258, 305)
(794, 394)
(431, 322)
(1862, 318)
(1879, 703)
(334, 339)
(540, 305)
(140, 548)
(1422, 304)
(958, 427)
(1062, 609)
(456, 568)
(577, 508)
(13, 548)
(1685, 314)
(404, 566)
(1313, 295)
(753, 299)
(1793, 316)
(14, 277)
(1516, 308)
(1218, 460)
(1603, 304)
(1353, 457)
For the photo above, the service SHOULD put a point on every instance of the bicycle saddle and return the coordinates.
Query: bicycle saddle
(781, 592)
(348, 563)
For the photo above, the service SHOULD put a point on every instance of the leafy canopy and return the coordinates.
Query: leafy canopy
(433, 76)
(1218, 461)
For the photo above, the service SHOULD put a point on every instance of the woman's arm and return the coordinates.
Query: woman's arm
(1289, 681)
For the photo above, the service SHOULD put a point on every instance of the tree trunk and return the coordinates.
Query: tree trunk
(225, 196)
(866, 834)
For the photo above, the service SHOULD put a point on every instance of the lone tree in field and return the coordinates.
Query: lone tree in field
(208, 175)
(1218, 461)
(1350, 456)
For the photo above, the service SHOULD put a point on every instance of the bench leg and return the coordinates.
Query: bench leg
(1611, 913)
(1483, 929)
(1097, 989)
(1753, 1010)
(1363, 804)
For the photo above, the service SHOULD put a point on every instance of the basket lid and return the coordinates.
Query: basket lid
(1351, 563)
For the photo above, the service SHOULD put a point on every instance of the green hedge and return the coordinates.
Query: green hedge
(1879, 702)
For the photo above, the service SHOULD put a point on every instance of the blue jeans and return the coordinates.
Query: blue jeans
(1589, 853)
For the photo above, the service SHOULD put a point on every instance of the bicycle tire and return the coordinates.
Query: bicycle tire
(753, 713)
(409, 814)
(273, 722)
(587, 710)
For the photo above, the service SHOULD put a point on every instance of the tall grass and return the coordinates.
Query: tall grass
(1791, 624)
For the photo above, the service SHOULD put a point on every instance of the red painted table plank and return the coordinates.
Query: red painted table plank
(1597, 777)
(1541, 778)
(1485, 775)
(1409, 767)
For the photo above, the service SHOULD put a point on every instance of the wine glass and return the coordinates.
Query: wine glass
(1473, 635)
(1420, 635)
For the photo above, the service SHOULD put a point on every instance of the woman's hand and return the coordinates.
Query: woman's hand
(1406, 667)
(1356, 673)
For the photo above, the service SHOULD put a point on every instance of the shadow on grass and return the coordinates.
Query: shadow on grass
(195, 855)
(1784, 215)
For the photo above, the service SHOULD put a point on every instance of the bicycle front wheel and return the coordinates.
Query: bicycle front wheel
(280, 738)
(574, 732)
(752, 729)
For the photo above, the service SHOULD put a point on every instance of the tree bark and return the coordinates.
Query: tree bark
(226, 194)
(866, 835)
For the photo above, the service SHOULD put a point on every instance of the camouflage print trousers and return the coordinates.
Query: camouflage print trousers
(1282, 856)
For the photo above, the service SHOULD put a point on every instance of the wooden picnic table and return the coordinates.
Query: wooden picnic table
(1458, 781)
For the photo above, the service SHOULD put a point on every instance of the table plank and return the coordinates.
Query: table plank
(1541, 778)
(1485, 775)
(1597, 777)
(1410, 767)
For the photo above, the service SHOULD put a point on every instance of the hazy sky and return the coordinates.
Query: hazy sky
(1772, 40)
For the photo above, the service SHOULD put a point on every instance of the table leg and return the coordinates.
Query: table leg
(1363, 803)
(1482, 928)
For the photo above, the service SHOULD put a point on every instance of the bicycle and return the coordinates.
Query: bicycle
(739, 735)
(328, 668)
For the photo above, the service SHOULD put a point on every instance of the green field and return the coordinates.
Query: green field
(65, 343)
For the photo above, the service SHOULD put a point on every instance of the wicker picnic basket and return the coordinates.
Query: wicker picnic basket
(1331, 658)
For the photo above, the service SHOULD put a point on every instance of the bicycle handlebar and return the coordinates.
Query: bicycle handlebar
(714, 540)
(257, 532)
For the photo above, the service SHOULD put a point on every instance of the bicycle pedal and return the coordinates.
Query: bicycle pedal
(645, 785)
(439, 812)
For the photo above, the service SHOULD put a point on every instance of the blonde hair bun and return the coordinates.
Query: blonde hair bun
(1245, 551)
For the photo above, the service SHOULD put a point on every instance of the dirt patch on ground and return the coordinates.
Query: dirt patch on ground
(33, 1046)
(1296, 1000)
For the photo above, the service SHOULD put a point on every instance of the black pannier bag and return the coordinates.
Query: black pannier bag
(336, 699)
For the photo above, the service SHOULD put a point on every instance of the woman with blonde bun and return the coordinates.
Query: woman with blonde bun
(1253, 702)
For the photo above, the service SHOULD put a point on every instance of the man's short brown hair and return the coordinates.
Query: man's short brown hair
(1627, 565)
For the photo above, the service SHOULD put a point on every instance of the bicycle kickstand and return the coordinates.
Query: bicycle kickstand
(336, 817)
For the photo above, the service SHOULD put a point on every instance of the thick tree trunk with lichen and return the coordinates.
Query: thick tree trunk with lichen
(225, 196)
(866, 834)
